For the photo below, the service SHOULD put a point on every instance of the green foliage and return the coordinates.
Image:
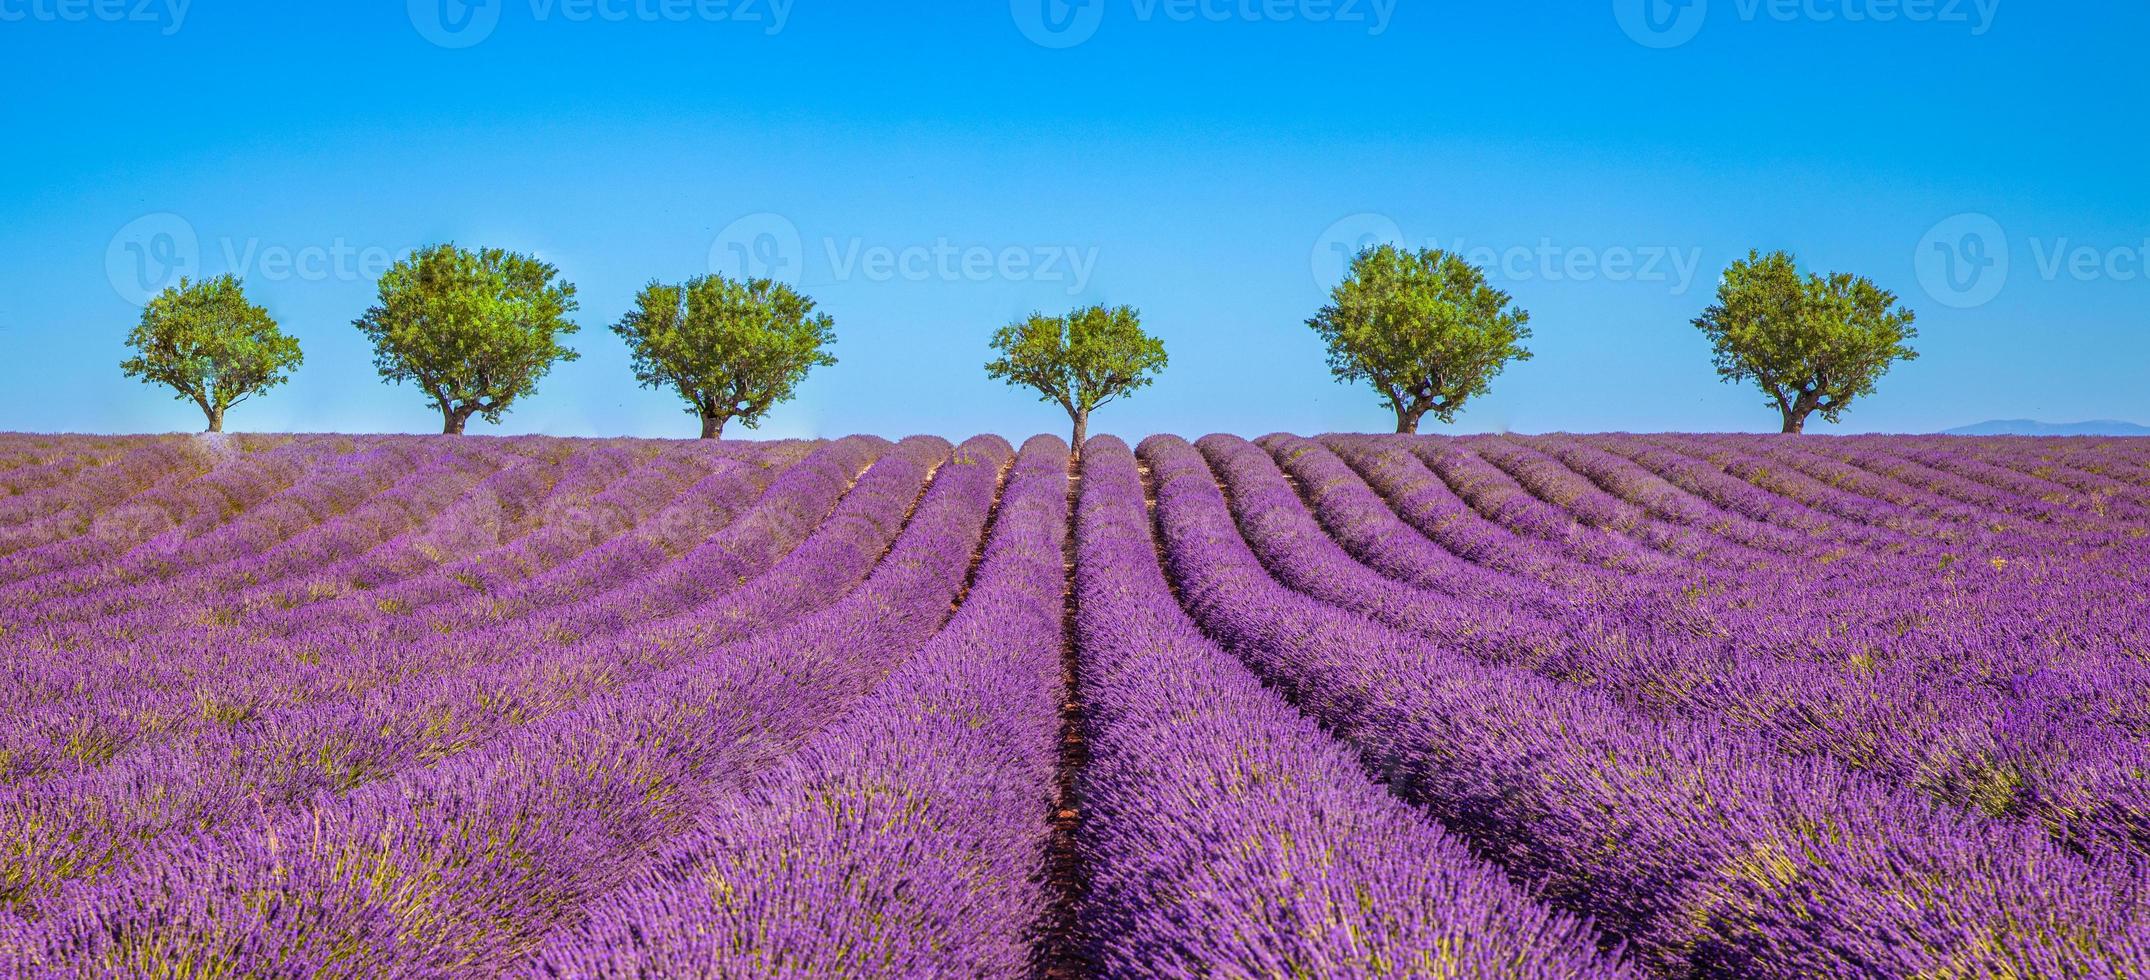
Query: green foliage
(732, 349)
(207, 342)
(1812, 343)
(1424, 328)
(474, 330)
(1081, 361)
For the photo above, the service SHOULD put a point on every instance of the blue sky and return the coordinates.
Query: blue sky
(930, 171)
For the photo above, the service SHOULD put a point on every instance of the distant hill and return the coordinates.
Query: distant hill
(2027, 427)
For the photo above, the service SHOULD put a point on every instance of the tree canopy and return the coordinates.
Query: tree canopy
(1424, 328)
(1813, 343)
(207, 342)
(1081, 361)
(474, 330)
(733, 349)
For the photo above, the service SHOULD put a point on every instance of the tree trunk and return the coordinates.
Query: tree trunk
(1795, 423)
(713, 426)
(1407, 422)
(1082, 434)
(452, 422)
(216, 419)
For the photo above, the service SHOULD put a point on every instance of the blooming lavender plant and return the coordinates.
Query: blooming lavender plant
(460, 867)
(1531, 706)
(1225, 828)
(907, 840)
(1707, 850)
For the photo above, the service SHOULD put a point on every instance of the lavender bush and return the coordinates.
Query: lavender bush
(1516, 706)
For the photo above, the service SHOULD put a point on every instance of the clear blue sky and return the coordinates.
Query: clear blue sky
(929, 171)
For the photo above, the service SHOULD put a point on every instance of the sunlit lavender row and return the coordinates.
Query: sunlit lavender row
(1489, 706)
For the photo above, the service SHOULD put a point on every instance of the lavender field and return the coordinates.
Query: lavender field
(1515, 706)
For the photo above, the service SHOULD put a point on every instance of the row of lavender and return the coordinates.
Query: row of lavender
(1710, 845)
(473, 736)
(1228, 828)
(2049, 731)
(750, 758)
(245, 658)
(121, 752)
(442, 825)
(2021, 690)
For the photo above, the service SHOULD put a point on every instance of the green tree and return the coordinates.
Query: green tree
(1082, 361)
(1813, 343)
(206, 341)
(1424, 328)
(474, 330)
(733, 349)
